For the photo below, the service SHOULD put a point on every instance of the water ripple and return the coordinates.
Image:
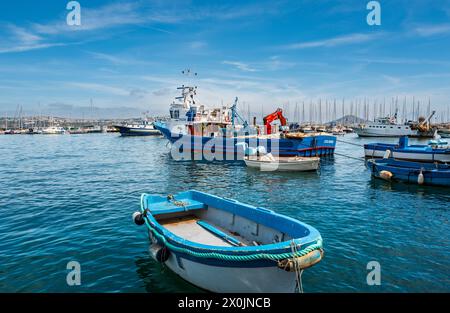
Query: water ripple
(71, 197)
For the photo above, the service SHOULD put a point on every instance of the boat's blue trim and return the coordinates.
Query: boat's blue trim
(304, 234)
(433, 174)
(404, 147)
(321, 145)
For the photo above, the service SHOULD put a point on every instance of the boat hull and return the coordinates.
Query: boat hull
(418, 154)
(226, 149)
(136, 131)
(216, 278)
(303, 165)
(384, 132)
(409, 172)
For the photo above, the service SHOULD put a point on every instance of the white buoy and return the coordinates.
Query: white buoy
(387, 154)
(420, 178)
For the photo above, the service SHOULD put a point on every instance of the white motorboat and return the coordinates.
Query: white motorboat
(53, 130)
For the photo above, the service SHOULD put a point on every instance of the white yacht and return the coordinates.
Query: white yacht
(53, 130)
(384, 127)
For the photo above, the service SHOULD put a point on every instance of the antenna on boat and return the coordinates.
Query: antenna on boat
(235, 114)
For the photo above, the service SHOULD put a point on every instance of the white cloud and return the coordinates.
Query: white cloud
(101, 88)
(432, 30)
(240, 65)
(198, 45)
(22, 35)
(335, 41)
(19, 39)
(29, 47)
(108, 16)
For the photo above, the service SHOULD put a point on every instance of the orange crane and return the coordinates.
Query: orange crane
(277, 115)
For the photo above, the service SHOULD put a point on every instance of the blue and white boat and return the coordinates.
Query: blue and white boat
(143, 129)
(223, 245)
(213, 134)
(410, 172)
(385, 127)
(436, 151)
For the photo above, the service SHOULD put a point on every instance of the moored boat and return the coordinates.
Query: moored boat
(143, 129)
(269, 163)
(212, 134)
(444, 133)
(53, 130)
(435, 151)
(223, 245)
(384, 127)
(410, 172)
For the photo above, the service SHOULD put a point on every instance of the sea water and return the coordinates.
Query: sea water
(70, 198)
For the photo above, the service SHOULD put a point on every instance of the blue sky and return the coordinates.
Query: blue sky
(128, 55)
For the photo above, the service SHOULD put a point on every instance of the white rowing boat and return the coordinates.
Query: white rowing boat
(270, 163)
(223, 245)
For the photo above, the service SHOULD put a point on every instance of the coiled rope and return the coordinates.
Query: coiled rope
(228, 257)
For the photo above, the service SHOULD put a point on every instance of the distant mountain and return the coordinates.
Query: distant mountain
(347, 120)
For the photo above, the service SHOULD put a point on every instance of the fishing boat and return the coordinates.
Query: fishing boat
(436, 151)
(384, 127)
(222, 245)
(143, 129)
(432, 174)
(212, 134)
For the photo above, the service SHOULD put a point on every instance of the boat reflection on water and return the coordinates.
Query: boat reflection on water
(437, 192)
(157, 278)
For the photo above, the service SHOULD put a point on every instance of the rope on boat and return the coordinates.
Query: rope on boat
(298, 270)
(350, 143)
(350, 157)
(172, 199)
(227, 257)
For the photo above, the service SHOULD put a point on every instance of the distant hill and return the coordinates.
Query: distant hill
(347, 120)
